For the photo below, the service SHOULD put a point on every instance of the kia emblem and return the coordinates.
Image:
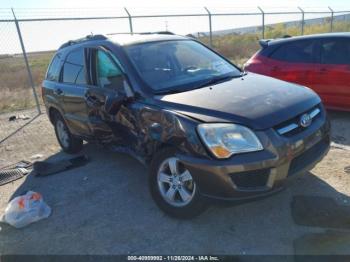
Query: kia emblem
(305, 120)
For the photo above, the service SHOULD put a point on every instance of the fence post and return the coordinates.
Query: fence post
(263, 21)
(210, 27)
(302, 20)
(130, 20)
(332, 17)
(31, 82)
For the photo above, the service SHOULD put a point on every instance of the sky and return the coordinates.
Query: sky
(168, 3)
(40, 36)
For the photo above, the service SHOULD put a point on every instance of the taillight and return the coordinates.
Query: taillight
(248, 63)
(253, 60)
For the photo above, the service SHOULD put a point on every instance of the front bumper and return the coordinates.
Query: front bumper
(259, 174)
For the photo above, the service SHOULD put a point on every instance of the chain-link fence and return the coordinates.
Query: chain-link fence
(30, 37)
(15, 91)
(233, 32)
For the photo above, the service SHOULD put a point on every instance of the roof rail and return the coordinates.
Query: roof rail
(80, 40)
(158, 32)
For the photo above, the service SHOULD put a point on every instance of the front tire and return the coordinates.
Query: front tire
(69, 143)
(173, 187)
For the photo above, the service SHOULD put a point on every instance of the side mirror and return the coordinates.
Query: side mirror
(94, 97)
(113, 103)
(108, 100)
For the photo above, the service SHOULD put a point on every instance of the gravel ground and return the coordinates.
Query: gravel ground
(105, 207)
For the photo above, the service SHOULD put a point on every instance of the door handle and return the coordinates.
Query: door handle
(93, 100)
(58, 91)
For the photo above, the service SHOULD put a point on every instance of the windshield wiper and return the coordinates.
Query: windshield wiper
(243, 73)
(170, 91)
(216, 80)
(208, 82)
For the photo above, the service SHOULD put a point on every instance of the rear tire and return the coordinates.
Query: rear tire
(69, 143)
(173, 187)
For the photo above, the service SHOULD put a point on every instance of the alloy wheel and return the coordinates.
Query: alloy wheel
(62, 133)
(175, 183)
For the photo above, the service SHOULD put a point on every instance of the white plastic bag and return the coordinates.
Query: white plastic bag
(26, 209)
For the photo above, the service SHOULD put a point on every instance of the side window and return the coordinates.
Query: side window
(335, 51)
(108, 73)
(74, 68)
(296, 52)
(54, 69)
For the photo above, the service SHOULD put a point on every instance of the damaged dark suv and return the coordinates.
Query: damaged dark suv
(205, 128)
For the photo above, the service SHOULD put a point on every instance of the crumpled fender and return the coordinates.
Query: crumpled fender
(159, 128)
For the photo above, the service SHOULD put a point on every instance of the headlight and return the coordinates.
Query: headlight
(224, 140)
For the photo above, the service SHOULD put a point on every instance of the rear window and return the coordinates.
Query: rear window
(74, 69)
(54, 69)
(296, 52)
(335, 51)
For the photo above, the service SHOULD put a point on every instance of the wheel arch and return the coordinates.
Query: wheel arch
(53, 111)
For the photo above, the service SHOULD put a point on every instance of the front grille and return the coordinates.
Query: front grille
(308, 157)
(292, 126)
(251, 179)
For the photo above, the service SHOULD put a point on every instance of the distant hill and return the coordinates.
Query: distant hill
(256, 29)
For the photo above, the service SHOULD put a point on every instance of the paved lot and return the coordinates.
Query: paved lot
(105, 207)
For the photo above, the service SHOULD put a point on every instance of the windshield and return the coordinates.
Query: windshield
(179, 65)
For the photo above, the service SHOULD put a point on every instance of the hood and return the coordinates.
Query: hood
(256, 101)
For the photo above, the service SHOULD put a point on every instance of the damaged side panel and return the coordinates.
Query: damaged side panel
(145, 129)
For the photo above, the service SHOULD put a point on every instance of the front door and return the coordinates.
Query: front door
(108, 85)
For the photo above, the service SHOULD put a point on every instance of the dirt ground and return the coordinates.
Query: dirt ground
(105, 207)
(23, 138)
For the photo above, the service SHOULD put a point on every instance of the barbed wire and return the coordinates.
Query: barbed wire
(105, 12)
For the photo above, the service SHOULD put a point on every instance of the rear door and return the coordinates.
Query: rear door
(333, 75)
(295, 62)
(73, 87)
(50, 85)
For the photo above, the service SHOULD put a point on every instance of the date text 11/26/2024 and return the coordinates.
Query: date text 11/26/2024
(173, 258)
